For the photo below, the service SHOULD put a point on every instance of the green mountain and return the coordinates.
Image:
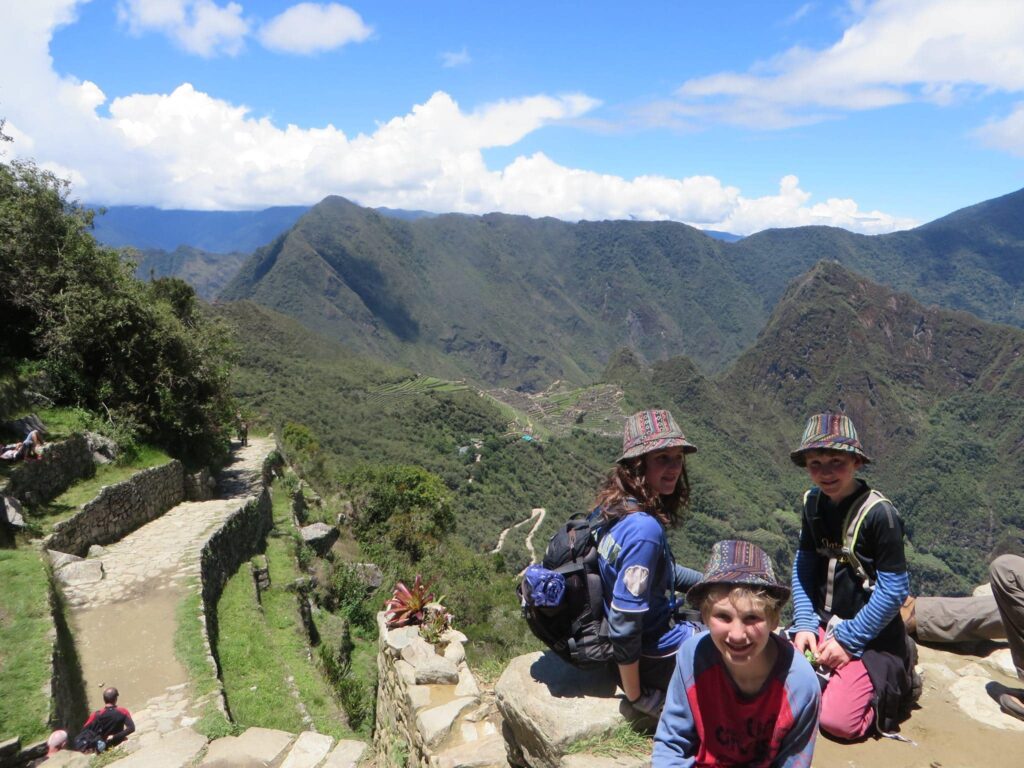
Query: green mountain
(504, 299)
(936, 394)
(521, 302)
(206, 272)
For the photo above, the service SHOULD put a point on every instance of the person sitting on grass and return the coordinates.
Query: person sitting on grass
(29, 448)
(740, 694)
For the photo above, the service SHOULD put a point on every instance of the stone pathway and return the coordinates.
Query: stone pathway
(124, 599)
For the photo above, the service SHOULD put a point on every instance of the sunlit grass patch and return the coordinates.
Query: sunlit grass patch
(25, 645)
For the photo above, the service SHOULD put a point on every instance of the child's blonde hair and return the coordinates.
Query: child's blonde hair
(759, 598)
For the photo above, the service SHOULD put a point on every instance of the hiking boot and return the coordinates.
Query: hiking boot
(908, 614)
(1013, 704)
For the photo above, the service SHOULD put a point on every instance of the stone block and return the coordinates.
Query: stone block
(346, 754)
(81, 572)
(255, 747)
(309, 749)
(319, 536)
(177, 749)
(549, 705)
(435, 724)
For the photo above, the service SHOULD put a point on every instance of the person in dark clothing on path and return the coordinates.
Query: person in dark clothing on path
(105, 727)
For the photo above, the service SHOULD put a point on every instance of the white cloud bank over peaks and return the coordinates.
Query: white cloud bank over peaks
(896, 52)
(189, 149)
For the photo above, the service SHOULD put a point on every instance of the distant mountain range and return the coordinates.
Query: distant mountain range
(936, 393)
(520, 302)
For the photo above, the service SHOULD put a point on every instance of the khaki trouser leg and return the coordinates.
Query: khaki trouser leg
(1007, 572)
(958, 619)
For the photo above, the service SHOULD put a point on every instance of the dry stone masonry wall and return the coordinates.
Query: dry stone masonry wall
(120, 509)
(62, 463)
(430, 711)
(233, 544)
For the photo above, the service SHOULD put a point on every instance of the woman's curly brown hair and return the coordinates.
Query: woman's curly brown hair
(626, 480)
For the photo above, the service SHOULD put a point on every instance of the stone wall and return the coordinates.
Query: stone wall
(240, 537)
(120, 509)
(430, 713)
(61, 465)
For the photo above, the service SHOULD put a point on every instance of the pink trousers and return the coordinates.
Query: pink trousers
(846, 711)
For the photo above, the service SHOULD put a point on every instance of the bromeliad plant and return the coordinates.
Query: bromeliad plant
(408, 605)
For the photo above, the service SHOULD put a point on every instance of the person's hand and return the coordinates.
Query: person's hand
(806, 641)
(832, 655)
(650, 702)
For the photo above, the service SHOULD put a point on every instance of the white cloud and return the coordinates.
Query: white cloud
(308, 28)
(1005, 133)
(451, 59)
(895, 51)
(189, 149)
(199, 26)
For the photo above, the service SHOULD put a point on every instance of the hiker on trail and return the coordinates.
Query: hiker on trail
(105, 727)
(242, 427)
(983, 617)
(741, 694)
(643, 495)
(849, 581)
(27, 449)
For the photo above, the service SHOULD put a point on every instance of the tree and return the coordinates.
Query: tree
(142, 355)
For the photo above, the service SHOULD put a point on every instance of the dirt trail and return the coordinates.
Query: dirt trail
(124, 624)
(537, 514)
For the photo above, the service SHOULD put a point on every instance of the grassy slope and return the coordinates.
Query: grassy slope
(261, 647)
(25, 645)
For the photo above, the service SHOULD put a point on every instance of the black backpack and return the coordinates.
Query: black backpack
(576, 629)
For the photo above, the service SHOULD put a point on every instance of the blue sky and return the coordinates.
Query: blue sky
(873, 116)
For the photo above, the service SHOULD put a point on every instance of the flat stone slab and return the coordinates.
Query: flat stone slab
(68, 759)
(81, 572)
(59, 559)
(346, 755)
(549, 705)
(255, 748)
(1002, 662)
(435, 724)
(309, 749)
(488, 752)
(972, 695)
(177, 749)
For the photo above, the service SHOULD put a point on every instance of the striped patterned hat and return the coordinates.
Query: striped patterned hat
(828, 432)
(651, 431)
(738, 564)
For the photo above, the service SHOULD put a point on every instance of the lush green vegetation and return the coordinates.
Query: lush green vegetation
(190, 648)
(262, 645)
(25, 645)
(84, 332)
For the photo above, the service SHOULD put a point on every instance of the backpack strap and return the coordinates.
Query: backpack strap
(853, 525)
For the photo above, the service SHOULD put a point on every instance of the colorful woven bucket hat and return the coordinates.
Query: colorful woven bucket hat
(829, 432)
(648, 431)
(738, 564)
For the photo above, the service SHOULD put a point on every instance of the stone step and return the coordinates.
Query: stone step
(256, 748)
(346, 754)
(177, 749)
(309, 749)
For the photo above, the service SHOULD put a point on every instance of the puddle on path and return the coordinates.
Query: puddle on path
(129, 645)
